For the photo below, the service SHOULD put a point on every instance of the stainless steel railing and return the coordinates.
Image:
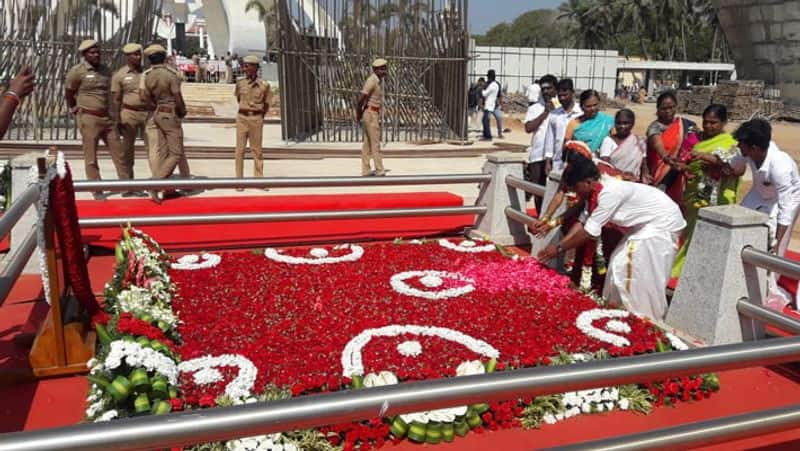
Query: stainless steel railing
(277, 182)
(770, 262)
(699, 434)
(515, 214)
(15, 263)
(313, 411)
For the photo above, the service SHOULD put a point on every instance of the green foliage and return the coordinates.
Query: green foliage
(533, 415)
(640, 399)
(536, 28)
(654, 29)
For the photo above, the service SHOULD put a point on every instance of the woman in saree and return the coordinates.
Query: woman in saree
(623, 149)
(709, 183)
(666, 167)
(592, 127)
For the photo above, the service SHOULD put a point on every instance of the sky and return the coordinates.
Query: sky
(484, 14)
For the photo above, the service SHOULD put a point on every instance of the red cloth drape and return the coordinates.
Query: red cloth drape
(65, 217)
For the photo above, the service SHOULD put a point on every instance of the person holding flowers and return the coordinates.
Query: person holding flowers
(639, 267)
(665, 168)
(708, 183)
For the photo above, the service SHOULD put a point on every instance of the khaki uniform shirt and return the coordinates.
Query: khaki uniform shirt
(252, 95)
(91, 85)
(160, 85)
(126, 81)
(373, 87)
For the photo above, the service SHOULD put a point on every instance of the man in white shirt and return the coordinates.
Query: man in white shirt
(534, 92)
(491, 106)
(640, 267)
(536, 122)
(776, 184)
(775, 191)
(559, 118)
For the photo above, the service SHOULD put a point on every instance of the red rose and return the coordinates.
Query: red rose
(177, 404)
(297, 389)
(101, 317)
(207, 401)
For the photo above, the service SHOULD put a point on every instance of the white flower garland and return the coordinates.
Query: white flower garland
(447, 415)
(260, 443)
(676, 342)
(140, 300)
(410, 348)
(42, 204)
(588, 401)
(467, 246)
(352, 362)
(431, 279)
(194, 262)
(239, 387)
(585, 320)
(356, 252)
(135, 355)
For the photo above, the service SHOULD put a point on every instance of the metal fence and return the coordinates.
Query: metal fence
(326, 48)
(45, 34)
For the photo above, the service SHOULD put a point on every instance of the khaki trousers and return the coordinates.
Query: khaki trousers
(132, 124)
(372, 142)
(165, 139)
(93, 129)
(249, 129)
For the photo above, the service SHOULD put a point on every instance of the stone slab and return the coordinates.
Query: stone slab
(496, 196)
(733, 215)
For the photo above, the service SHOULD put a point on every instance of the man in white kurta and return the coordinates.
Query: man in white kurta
(640, 266)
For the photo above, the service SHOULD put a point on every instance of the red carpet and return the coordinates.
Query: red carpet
(260, 234)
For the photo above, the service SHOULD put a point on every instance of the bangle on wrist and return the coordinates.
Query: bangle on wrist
(13, 96)
(552, 223)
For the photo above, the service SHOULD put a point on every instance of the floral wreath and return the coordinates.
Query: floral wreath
(319, 256)
(431, 279)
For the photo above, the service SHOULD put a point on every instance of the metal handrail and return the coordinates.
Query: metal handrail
(339, 407)
(768, 316)
(528, 187)
(699, 434)
(519, 216)
(232, 218)
(277, 182)
(17, 209)
(770, 262)
(16, 264)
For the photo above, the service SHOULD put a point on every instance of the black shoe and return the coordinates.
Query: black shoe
(134, 194)
(154, 196)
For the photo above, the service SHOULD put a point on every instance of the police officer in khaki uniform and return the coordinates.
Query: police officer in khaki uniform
(160, 89)
(252, 94)
(127, 107)
(368, 113)
(87, 94)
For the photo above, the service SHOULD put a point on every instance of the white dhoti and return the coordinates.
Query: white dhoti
(777, 298)
(638, 272)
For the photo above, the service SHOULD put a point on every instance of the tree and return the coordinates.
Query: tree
(267, 16)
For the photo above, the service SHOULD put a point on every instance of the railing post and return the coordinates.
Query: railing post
(496, 196)
(714, 277)
(552, 237)
(21, 167)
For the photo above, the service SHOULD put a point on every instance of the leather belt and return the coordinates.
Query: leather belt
(98, 113)
(134, 108)
(165, 109)
(374, 109)
(251, 113)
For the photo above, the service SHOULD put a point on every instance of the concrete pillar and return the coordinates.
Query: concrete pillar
(21, 169)
(714, 278)
(496, 196)
(555, 235)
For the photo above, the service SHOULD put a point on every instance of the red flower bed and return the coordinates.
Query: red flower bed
(294, 321)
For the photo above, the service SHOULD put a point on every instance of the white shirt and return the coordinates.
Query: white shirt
(490, 95)
(775, 182)
(641, 210)
(534, 93)
(536, 151)
(557, 128)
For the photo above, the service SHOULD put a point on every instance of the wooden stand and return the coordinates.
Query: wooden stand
(60, 348)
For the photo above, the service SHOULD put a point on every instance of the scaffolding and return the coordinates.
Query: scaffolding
(45, 35)
(325, 51)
